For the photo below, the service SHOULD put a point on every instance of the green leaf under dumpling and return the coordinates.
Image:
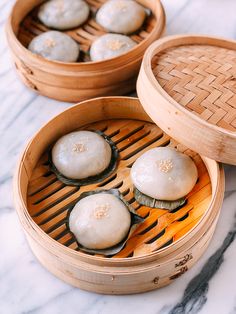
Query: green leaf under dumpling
(93, 179)
(135, 221)
(154, 203)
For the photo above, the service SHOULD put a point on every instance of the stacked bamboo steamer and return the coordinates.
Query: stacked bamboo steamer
(74, 82)
(187, 86)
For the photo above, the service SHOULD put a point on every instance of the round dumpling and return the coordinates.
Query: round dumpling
(55, 46)
(164, 174)
(109, 46)
(100, 221)
(121, 16)
(81, 154)
(63, 14)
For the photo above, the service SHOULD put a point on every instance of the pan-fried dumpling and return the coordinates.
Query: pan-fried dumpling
(109, 46)
(164, 174)
(121, 16)
(55, 46)
(100, 221)
(63, 14)
(81, 154)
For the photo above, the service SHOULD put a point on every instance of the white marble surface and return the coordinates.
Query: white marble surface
(25, 287)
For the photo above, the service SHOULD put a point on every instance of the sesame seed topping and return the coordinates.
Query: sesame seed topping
(79, 148)
(49, 42)
(115, 44)
(122, 6)
(165, 165)
(60, 5)
(101, 211)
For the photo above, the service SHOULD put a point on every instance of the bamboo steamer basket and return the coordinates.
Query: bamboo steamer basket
(193, 82)
(163, 247)
(74, 82)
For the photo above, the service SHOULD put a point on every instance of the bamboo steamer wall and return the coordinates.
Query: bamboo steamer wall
(82, 80)
(149, 259)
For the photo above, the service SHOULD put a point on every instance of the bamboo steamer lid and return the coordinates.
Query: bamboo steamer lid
(187, 85)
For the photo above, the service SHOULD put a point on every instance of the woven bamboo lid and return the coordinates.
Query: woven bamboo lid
(187, 84)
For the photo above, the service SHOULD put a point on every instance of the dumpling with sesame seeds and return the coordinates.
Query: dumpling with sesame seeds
(121, 16)
(109, 46)
(54, 45)
(81, 154)
(163, 174)
(100, 221)
(63, 14)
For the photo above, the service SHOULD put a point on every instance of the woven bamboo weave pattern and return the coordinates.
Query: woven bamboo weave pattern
(49, 199)
(201, 78)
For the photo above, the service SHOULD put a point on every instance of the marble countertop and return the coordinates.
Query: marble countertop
(25, 286)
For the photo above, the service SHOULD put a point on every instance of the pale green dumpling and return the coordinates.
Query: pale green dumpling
(100, 221)
(164, 174)
(121, 16)
(63, 14)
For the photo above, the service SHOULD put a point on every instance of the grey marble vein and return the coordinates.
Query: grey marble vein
(19, 112)
(195, 294)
